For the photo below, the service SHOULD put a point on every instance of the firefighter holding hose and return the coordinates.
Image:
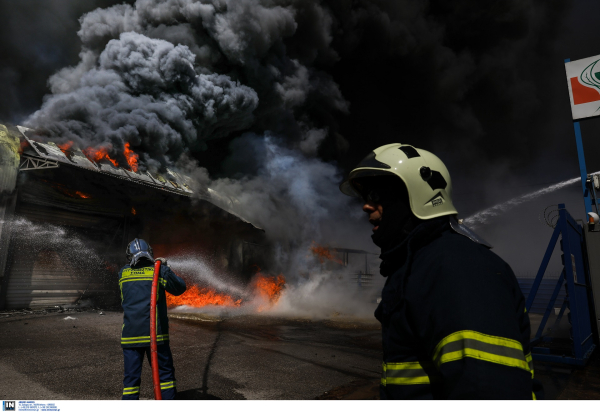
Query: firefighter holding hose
(135, 281)
(453, 316)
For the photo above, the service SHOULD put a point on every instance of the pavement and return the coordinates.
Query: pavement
(77, 355)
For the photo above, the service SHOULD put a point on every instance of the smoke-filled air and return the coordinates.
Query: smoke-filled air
(300, 90)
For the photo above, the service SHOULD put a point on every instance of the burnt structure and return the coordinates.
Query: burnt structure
(65, 222)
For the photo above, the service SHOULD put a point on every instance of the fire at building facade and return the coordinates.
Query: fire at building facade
(67, 214)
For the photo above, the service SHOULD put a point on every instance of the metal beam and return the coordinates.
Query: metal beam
(32, 163)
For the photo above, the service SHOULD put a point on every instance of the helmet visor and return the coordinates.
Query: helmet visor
(360, 182)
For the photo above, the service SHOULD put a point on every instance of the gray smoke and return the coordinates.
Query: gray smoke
(169, 76)
(292, 196)
(273, 78)
(144, 92)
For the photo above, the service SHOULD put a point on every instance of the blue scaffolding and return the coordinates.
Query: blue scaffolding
(575, 278)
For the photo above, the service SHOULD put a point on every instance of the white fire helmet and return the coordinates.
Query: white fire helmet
(426, 178)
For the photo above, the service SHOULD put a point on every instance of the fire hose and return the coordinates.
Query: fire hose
(153, 348)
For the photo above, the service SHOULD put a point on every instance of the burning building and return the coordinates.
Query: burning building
(67, 214)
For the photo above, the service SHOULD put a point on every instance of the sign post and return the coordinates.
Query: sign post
(583, 80)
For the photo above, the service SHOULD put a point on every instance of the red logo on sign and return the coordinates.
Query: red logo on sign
(583, 94)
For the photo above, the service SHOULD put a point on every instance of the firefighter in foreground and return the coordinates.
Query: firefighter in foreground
(135, 281)
(453, 316)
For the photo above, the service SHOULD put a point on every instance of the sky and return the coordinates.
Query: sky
(253, 93)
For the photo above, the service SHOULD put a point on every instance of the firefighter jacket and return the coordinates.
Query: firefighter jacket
(453, 321)
(135, 284)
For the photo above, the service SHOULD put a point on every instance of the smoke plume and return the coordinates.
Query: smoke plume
(270, 103)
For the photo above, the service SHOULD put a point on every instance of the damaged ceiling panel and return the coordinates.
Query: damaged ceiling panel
(172, 181)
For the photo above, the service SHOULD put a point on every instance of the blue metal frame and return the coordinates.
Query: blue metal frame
(587, 201)
(577, 300)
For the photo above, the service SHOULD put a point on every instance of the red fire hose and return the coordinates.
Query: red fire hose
(153, 348)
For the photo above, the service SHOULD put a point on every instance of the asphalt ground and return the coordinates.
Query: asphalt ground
(77, 355)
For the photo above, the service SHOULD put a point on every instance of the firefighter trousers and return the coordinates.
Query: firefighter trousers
(133, 360)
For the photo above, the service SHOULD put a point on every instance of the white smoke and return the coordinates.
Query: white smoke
(326, 295)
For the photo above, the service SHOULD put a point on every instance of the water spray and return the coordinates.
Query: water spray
(481, 218)
(201, 271)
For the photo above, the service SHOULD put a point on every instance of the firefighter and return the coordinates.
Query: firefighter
(453, 317)
(135, 281)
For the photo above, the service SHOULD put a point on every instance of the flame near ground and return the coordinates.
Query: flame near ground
(323, 293)
(264, 290)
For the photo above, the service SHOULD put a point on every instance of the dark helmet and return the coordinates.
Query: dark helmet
(138, 249)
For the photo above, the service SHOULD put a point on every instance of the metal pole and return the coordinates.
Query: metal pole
(587, 201)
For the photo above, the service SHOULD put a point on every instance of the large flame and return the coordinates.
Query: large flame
(197, 297)
(324, 253)
(64, 147)
(99, 153)
(132, 157)
(267, 289)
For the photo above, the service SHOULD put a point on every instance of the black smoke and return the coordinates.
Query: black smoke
(481, 84)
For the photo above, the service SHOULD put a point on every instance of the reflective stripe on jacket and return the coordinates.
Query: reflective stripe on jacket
(454, 324)
(135, 284)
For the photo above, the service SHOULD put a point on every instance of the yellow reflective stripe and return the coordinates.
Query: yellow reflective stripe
(132, 390)
(122, 281)
(529, 360)
(533, 396)
(403, 373)
(167, 385)
(166, 335)
(143, 339)
(149, 271)
(135, 278)
(478, 345)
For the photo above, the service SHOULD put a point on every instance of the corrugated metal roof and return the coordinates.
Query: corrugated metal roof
(170, 181)
(173, 182)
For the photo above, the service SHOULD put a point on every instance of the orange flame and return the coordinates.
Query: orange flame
(99, 153)
(323, 253)
(198, 297)
(133, 211)
(132, 157)
(82, 195)
(70, 192)
(65, 146)
(269, 288)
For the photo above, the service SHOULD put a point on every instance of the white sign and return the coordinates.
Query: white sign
(583, 78)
